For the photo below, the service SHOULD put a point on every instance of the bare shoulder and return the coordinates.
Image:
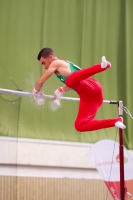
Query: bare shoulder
(58, 63)
(54, 64)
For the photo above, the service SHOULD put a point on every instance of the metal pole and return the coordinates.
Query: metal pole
(122, 185)
(28, 94)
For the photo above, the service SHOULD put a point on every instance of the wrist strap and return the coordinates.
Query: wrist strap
(35, 91)
(61, 89)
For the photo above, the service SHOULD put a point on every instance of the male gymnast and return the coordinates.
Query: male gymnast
(89, 90)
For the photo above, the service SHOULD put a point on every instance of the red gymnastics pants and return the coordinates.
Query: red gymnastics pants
(91, 98)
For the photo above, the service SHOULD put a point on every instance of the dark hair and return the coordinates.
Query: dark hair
(45, 52)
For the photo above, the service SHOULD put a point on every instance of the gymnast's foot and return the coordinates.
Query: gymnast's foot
(119, 124)
(105, 63)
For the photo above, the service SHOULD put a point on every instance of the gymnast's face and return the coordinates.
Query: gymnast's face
(46, 61)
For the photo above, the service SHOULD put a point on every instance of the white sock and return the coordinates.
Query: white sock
(120, 125)
(104, 62)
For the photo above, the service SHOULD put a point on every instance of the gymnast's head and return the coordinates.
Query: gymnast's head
(46, 56)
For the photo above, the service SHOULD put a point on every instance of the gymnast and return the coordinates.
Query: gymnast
(89, 90)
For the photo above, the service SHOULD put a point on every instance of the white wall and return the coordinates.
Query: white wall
(40, 158)
(44, 153)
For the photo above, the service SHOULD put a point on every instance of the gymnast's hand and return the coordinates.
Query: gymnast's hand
(57, 95)
(39, 100)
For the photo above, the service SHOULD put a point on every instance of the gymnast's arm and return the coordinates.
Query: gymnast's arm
(59, 93)
(45, 76)
(66, 89)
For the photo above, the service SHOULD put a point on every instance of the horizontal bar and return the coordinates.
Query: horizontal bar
(28, 94)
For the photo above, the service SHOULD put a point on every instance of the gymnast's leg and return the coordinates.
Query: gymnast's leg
(92, 125)
(83, 74)
(91, 98)
(87, 111)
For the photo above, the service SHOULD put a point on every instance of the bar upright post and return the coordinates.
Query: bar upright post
(122, 185)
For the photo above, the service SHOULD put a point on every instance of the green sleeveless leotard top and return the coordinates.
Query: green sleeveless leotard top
(73, 68)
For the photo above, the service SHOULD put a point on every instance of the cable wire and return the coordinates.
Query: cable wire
(127, 112)
(112, 161)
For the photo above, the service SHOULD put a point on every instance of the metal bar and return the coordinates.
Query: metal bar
(121, 149)
(28, 94)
